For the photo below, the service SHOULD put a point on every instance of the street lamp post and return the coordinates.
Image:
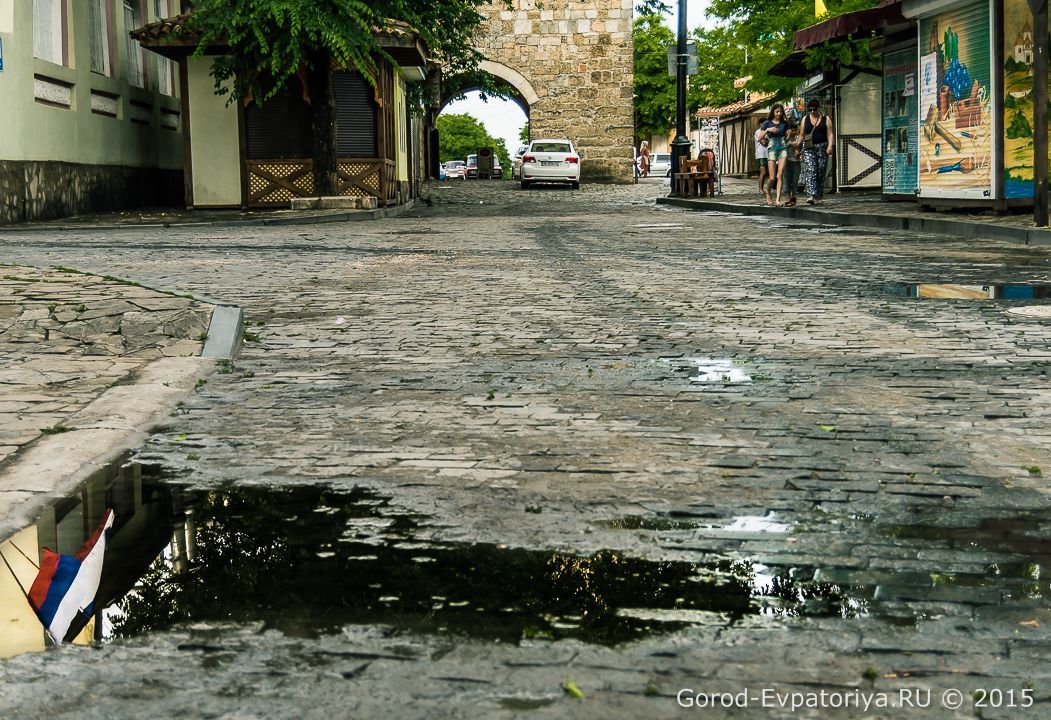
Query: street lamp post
(680, 146)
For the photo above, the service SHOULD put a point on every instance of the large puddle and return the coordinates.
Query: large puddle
(310, 560)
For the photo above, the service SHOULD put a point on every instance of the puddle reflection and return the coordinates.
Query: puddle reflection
(952, 291)
(310, 560)
(719, 370)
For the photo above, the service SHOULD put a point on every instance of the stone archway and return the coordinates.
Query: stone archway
(571, 62)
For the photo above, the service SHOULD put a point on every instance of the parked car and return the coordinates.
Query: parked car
(660, 164)
(455, 169)
(498, 171)
(472, 167)
(551, 161)
(516, 162)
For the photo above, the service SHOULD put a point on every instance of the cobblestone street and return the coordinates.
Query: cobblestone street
(852, 483)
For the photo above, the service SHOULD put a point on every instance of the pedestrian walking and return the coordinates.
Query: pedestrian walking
(793, 169)
(775, 130)
(761, 156)
(644, 158)
(818, 143)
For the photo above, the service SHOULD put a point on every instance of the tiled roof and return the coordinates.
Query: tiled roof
(757, 101)
(163, 28)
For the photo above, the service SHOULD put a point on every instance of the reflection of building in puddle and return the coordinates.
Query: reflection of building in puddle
(954, 291)
(718, 370)
(142, 527)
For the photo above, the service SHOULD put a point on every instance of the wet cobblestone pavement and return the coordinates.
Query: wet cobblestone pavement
(808, 482)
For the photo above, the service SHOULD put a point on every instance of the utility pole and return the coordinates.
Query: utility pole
(680, 146)
(1040, 149)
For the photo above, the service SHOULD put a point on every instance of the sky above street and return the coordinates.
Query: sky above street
(505, 119)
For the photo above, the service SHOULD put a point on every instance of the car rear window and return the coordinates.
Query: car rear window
(454, 163)
(551, 147)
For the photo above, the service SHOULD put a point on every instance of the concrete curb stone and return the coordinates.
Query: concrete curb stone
(118, 420)
(340, 216)
(957, 228)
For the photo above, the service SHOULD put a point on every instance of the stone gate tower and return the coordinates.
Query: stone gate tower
(571, 63)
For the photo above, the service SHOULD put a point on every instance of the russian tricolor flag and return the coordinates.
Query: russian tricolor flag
(64, 589)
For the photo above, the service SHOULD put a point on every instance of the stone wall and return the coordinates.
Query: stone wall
(32, 190)
(577, 59)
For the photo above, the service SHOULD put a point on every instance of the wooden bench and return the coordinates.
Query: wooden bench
(695, 177)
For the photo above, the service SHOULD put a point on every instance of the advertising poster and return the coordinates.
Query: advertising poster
(1018, 101)
(900, 122)
(955, 112)
(709, 135)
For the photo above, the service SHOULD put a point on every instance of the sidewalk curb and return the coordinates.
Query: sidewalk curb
(958, 228)
(314, 219)
(117, 420)
(225, 332)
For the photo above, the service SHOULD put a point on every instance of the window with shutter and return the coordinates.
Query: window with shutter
(99, 37)
(165, 75)
(134, 63)
(48, 38)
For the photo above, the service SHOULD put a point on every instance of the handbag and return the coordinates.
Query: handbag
(808, 141)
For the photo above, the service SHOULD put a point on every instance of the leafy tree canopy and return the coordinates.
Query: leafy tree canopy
(653, 87)
(462, 135)
(272, 40)
(749, 37)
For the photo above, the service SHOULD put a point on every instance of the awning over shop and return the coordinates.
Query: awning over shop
(792, 65)
(873, 20)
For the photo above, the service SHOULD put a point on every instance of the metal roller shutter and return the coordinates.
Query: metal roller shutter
(279, 129)
(355, 116)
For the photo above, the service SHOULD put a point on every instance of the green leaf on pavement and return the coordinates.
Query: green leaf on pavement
(572, 690)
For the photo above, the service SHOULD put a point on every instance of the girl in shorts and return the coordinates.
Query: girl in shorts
(775, 129)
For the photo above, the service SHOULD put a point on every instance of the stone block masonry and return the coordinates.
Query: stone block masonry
(577, 57)
(34, 190)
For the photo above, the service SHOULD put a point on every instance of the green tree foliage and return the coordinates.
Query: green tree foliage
(462, 135)
(653, 87)
(276, 42)
(523, 134)
(721, 60)
(764, 30)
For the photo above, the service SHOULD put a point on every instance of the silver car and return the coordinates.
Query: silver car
(455, 169)
(516, 162)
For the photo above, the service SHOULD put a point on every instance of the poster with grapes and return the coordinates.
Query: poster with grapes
(955, 113)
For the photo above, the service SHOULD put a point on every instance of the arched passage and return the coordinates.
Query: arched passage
(509, 99)
(509, 83)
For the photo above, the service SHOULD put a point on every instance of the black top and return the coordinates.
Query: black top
(820, 130)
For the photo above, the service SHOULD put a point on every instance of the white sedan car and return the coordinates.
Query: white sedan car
(551, 161)
(660, 164)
